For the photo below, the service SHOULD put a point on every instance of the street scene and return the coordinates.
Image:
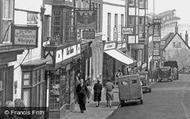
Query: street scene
(168, 100)
(94, 59)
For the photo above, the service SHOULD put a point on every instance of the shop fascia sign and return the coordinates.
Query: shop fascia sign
(25, 36)
(67, 53)
(127, 30)
(109, 46)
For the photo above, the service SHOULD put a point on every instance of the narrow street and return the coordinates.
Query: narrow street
(168, 100)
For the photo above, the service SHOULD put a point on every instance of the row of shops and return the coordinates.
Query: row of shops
(51, 82)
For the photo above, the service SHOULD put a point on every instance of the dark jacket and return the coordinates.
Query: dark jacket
(98, 88)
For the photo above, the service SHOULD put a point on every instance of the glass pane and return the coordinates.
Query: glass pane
(26, 82)
(26, 97)
(26, 75)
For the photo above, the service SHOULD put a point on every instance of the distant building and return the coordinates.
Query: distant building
(176, 48)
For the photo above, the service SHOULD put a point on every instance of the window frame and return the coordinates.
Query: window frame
(7, 15)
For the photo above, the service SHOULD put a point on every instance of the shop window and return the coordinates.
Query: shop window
(7, 9)
(34, 84)
(122, 20)
(32, 18)
(26, 78)
(141, 3)
(109, 27)
(131, 20)
(58, 89)
(131, 3)
(26, 97)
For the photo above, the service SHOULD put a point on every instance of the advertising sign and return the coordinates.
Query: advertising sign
(156, 39)
(156, 45)
(25, 36)
(156, 57)
(86, 34)
(86, 19)
(109, 46)
(127, 30)
(156, 52)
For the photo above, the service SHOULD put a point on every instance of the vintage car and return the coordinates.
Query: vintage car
(165, 74)
(145, 82)
(130, 89)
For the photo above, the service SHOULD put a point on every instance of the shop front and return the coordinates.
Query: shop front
(114, 59)
(138, 53)
(7, 74)
(61, 73)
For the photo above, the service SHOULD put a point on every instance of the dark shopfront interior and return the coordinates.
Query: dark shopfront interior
(62, 84)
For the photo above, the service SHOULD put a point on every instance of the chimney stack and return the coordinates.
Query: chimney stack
(176, 28)
(187, 38)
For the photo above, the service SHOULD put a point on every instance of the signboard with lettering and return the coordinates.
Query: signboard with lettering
(86, 19)
(69, 52)
(156, 57)
(156, 39)
(156, 45)
(127, 30)
(156, 52)
(109, 46)
(87, 34)
(26, 36)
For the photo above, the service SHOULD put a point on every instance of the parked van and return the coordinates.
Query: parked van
(130, 89)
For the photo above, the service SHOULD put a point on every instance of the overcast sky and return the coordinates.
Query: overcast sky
(182, 8)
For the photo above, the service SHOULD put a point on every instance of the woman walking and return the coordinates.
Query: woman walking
(97, 93)
(82, 93)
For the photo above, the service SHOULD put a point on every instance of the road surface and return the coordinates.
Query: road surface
(168, 100)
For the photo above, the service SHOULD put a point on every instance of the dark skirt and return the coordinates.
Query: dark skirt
(97, 96)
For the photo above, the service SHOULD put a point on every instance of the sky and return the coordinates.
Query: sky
(182, 8)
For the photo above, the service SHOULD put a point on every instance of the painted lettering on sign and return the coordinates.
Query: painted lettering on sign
(25, 36)
(70, 50)
(109, 46)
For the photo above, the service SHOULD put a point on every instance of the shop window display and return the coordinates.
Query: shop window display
(58, 89)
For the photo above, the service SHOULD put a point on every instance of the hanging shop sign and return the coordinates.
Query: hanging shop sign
(86, 19)
(156, 39)
(156, 52)
(156, 45)
(109, 46)
(26, 36)
(88, 34)
(127, 30)
(157, 28)
(156, 58)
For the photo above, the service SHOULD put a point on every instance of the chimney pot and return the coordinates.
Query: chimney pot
(187, 38)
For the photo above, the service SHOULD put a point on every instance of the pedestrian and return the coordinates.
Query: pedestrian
(82, 94)
(97, 92)
(109, 86)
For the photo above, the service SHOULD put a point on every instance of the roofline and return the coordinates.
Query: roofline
(172, 39)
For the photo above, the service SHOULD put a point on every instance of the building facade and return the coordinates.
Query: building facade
(137, 19)
(8, 52)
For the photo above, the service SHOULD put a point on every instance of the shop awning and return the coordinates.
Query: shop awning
(120, 56)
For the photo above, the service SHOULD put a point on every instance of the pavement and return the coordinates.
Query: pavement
(93, 112)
